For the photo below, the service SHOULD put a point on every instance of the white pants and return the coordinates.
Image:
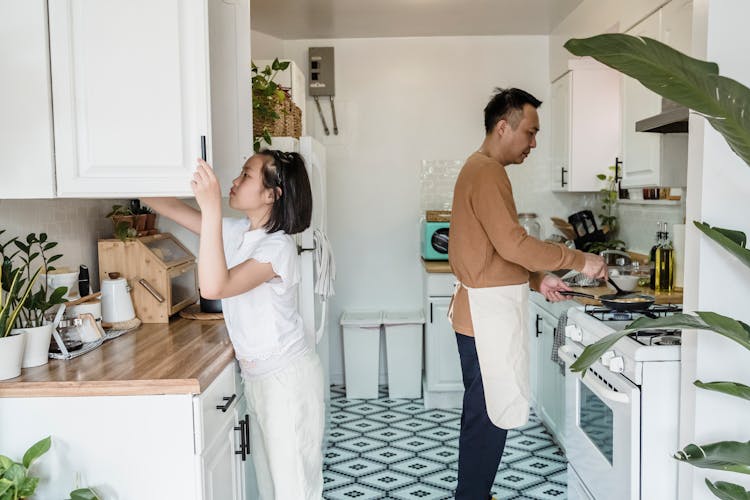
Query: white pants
(287, 413)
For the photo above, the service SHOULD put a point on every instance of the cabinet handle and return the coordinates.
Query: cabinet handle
(229, 400)
(203, 147)
(243, 443)
(150, 288)
(618, 169)
(538, 330)
(563, 171)
(430, 312)
(247, 433)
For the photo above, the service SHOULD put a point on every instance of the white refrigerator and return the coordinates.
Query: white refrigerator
(313, 308)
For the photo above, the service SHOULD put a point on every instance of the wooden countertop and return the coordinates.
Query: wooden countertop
(436, 266)
(183, 357)
(675, 297)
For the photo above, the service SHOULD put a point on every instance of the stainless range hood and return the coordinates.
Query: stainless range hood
(672, 119)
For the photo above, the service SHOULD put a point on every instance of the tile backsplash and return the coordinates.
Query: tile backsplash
(75, 224)
(638, 223)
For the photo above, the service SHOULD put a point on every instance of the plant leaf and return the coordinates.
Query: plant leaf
(731, 328)
(729, 244)
(728, 491)
(36, 450)
(733, 456)
(724, 102)
(732, 388)
(28, 487)
(84, 494)
(5, 462)
(16, 473)
(5, 485)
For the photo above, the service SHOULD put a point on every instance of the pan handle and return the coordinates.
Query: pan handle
(579, 294)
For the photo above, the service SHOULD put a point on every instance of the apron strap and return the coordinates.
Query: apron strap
(456, 286)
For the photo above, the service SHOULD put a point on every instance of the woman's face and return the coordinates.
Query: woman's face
(248, 193)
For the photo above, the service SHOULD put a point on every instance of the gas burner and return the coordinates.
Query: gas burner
(667, 340)
(657, 337)
(655, 311)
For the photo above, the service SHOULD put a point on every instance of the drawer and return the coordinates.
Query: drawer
(209, 420)
(438, 284)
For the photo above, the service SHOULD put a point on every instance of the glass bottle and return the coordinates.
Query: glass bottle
(652, 256)
(665, 263)
(531, 224)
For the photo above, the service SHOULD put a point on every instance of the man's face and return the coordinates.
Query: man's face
(518, 142)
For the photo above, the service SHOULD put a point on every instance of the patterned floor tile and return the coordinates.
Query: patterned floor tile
(387, 480)
(415, 443)
(333, 480)
(421, 492)
(539, 465)
(354, 491)
(361, 444)
(395, 448)
(357, 467)
(388, 455)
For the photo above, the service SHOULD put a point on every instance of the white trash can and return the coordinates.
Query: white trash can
(361, 353)
(403, 346)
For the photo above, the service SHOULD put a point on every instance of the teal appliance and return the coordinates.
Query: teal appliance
(435, 240)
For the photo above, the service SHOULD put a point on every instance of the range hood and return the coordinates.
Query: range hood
(672, 119)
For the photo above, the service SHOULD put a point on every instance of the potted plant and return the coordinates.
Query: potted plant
(608, 196)
(274, 113)
(15, 481)
(725, 104)
(123, 221)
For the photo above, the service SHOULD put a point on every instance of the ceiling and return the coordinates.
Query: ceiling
(303, 19)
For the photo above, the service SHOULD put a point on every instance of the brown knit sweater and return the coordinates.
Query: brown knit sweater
(488, 247)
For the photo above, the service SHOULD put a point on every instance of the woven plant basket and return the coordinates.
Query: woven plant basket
(289, 123)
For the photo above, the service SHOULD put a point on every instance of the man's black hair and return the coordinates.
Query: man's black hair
(292, 208)
(507, 104)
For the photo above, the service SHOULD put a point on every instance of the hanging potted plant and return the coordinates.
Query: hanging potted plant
(274, 113)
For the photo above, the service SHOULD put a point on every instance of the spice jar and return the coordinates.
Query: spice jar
(531, 224)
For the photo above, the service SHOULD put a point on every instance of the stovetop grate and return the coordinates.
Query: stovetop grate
(655, 311)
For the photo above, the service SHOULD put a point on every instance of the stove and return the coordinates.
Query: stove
(619, 320)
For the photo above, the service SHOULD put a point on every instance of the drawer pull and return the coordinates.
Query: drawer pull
(150, 289)
(229, 400)
(243, 439)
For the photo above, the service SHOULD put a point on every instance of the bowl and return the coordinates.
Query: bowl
(627, 282)
(60, 278)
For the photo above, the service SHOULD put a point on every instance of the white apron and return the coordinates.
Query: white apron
(499, 317)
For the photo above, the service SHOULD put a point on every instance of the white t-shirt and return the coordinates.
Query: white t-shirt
(264, 324)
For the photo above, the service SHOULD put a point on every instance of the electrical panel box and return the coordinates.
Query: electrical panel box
(322, 80)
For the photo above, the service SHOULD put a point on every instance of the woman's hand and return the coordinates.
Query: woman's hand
(206, 187)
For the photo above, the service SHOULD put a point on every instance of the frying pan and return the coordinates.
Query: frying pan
(618, 302)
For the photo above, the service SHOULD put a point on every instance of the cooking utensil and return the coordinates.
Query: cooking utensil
(87, 298)
(620, 291)
(614, 302)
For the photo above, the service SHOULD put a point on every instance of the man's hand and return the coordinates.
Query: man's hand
(595, 267)
(551, 287)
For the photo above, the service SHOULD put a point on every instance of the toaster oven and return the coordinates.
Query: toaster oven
(435, 240)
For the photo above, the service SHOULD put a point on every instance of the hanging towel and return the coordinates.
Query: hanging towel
(559, 340)
(325, 274)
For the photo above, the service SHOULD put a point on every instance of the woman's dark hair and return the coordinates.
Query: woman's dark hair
(507, 104)
(292, 210)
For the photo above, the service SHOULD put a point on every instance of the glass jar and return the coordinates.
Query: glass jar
(531, 224)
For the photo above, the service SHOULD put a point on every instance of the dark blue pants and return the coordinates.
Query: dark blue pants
(481, 443)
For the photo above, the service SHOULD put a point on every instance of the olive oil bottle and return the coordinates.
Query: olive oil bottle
(664, 263)
(652, 256)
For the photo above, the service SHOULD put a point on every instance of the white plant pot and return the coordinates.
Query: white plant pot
(37, 344)
(11, 355)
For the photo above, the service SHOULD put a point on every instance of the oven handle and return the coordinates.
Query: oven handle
(593, 383)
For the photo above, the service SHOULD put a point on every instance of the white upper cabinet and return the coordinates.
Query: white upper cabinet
(137, 87)
(585, 125)
(653, 159)
(26, 118)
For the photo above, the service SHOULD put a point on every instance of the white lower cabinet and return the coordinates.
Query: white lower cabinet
(141, 446)
(443, 383)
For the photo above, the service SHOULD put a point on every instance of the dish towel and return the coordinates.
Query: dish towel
(325, 274)
(559, 340)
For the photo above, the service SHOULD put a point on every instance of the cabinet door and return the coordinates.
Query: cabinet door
(534, 333)
(130, 88)
(552, 381)
(443, 365)
(221, 476)
(640, 149)
(247, 484)
(560, 99)
(677, 25)
(26, 118)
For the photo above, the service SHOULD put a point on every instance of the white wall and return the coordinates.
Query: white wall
(718, 190)
(399, 101)
(265, 46)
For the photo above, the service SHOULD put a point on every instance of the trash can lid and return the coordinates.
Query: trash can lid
(403, 318)
(362, 318)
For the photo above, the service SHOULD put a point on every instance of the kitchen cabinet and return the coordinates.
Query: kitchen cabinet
(176, 445)
(442, 382)
(653, 159)
(26, 120)
(585, 125)
(132, 109)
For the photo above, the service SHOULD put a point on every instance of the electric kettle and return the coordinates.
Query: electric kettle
(116, 303)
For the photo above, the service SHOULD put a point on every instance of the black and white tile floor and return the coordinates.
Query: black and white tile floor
(384, 448)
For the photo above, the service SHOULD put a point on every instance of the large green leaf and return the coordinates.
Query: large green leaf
(720, 236)
(28, 487)
(676, 76)
(728, 491)
(36, 450)
(732, 388)
(84, 494)
(5, 485)
(732, 456)
(728, 327)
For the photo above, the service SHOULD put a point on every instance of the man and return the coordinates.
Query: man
(495, 262)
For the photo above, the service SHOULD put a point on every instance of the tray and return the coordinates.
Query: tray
(194, 312)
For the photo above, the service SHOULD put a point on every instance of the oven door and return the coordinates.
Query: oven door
(602, 429)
